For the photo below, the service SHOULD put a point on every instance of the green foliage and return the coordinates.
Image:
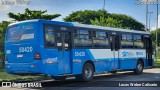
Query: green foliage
(85, 16)
(3, 26)
(153, 34)
(109, 22)
(103, 18)
(157, 63)
(32, 14)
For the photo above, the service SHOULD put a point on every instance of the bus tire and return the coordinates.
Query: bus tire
(87, 73)
(139, 68)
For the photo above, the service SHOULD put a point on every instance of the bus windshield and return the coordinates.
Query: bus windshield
(21, 32)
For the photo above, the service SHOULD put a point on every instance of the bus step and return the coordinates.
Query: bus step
(116, 70)
(66, 75)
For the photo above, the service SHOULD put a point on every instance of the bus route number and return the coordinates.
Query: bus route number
(80, 54)
(25, 49)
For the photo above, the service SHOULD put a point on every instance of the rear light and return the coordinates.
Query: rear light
(37, 56)
(5, 58)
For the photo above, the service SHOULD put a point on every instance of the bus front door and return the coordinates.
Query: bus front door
(64, 45)
(148, 47)
(114, 41)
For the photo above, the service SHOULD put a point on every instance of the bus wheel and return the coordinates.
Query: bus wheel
(139, 68)
(87, 73)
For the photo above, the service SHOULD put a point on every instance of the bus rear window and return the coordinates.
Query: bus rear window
(21, 32)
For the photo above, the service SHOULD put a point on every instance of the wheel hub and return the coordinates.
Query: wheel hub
(88, 72)
(139, 67)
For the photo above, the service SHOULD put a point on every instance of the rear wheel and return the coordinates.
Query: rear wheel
(87, 73)
(139, 68)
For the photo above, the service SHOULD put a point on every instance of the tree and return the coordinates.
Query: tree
(103, 18)
(85, 16)
(109, 22)
(3, 26)
(32, 14)
(153, 34)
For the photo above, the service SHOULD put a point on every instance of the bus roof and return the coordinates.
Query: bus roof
(84, 25)
(34, 20)
(110, 28)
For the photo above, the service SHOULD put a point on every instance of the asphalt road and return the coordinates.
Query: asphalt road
(105, 82)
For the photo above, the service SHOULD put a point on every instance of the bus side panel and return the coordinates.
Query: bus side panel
(129, 58)
(128, 63)
(48, 56)
(145, 63)
(102, 59)
(79, 56)
(50, 61)
(51, 69)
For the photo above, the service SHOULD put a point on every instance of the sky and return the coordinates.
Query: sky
(66, 7)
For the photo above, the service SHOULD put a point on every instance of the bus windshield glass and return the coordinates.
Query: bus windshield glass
(21, 32)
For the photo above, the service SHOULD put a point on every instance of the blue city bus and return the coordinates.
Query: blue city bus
(62, 49)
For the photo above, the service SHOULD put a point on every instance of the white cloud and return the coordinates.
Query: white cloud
(4, 8)
(154, 27)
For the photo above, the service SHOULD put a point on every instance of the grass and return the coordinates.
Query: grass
(4, 76)
(157, 64)
(9, 77)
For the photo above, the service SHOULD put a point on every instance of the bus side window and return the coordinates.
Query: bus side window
(49, 36)
(127, 41)
(138, 43)
(100, 39)
(82, 38)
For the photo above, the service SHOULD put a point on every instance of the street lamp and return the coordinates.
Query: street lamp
(150, 13)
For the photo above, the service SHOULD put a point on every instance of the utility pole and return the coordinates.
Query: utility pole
(146, 3)
(156, 32)
(104, 4)
(146, 15)
(149, 27)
